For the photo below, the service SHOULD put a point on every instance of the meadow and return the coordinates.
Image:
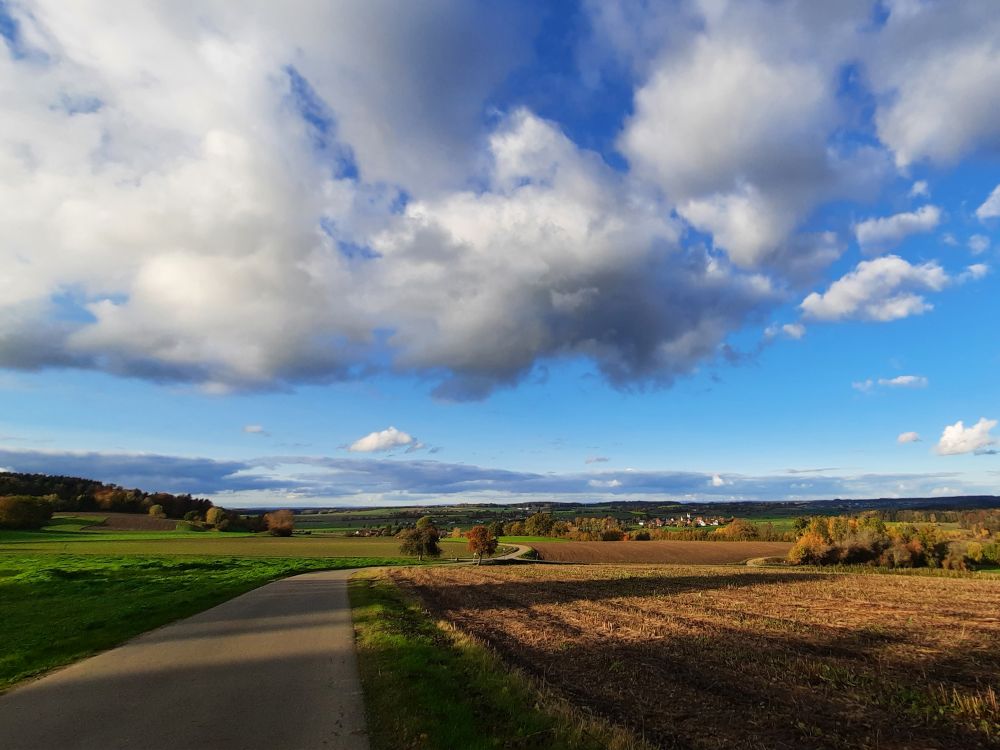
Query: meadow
(55, 609)
(722, 657)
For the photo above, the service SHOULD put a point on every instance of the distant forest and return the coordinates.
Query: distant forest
(76, 494)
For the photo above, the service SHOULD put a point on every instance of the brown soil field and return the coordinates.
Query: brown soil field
(128, 522)
(684, 553)
(703, 657)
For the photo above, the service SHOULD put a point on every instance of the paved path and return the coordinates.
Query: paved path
(274, 668)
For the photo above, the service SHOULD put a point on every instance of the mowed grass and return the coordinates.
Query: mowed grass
(432, 689)
(55, 609)
(203, 543)
(710, 657)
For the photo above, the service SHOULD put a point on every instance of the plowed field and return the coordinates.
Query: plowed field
(689, 553)
(702, 657)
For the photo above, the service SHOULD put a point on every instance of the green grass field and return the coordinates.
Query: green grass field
(56, 609)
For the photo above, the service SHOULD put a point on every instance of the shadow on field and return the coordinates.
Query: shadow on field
(732, 674)
(516, 594)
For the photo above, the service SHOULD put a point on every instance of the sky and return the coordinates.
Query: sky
(354, 253)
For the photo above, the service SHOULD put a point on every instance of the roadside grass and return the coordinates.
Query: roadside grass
(431, 687)
(57, 609)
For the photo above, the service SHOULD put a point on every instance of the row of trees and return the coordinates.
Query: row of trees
(24, 512)
(867, 539)
(610, 529)
(423, 540)
(69, 494)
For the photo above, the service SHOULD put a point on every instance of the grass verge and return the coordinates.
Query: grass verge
(57, 609)
(428, 686)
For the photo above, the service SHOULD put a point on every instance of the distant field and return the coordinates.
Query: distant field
(691, 553)
(712, 658)
(122, 521)
(73, 535)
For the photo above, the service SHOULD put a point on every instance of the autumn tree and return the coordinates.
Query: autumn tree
(21, 512)
(214, 516)
(156, 511)
(539, 524)
(481, 542)
(420, 541)
(280, 522)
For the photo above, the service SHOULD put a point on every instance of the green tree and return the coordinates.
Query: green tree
(420, 541)
(539, 524)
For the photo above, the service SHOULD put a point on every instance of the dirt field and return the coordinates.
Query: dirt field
(128, 522)
(702, 657)
(685, 553)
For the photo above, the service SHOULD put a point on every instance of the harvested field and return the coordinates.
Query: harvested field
(127, 522)
(702, 657)
(683, 553)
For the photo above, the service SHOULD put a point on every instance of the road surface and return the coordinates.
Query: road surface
(274, 668)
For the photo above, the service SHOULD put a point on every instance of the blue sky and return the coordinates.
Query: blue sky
(354, 253)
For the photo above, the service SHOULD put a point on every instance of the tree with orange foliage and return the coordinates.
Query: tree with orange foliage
(280, 522)
(481, 542)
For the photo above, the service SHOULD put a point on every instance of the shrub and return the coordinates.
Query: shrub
(612, 535)
(280, 522)
(22, 512)
(641, 536)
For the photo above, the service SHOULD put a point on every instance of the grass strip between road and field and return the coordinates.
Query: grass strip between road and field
(428, 686)
(55, 609)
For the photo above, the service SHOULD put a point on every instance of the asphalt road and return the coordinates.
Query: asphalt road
(275, 668)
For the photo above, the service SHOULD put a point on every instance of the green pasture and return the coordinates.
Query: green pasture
(57, 609)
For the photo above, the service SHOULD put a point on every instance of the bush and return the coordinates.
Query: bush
(640, 536)
(22, 512)
(612, 535)
(189, 526)
(279, 523)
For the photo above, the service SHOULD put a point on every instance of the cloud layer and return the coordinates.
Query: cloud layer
(258, 197)
(316, 481)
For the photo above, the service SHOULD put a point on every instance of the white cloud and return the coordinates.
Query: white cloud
(904, 381)
(949, 239)
(957, 438)
(865, 386)
(882, 289)
(384, 440)
(254, 429)
(920, 189)
(884, 233)
(794, 330)
(908, 437)
(717, 481)
(935, 68)
(979, 243)
(733, 122)
(990, 209)
(974, 272)
(596, 460)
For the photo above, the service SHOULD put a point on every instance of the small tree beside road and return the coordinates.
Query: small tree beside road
(481, 542)
(420, 541)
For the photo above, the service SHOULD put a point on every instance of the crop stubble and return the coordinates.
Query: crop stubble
(713, 657)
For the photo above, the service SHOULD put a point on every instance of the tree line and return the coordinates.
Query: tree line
(867, 539)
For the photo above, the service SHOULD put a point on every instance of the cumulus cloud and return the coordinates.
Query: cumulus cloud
(908, 437)
(717, 481)
(748, 185)
(930, 59)
(383, 440)
(262, 197)
(979, 243)
(920, 189)
(883, 289)
(990, 208)
(884, 233)
(957, 438)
